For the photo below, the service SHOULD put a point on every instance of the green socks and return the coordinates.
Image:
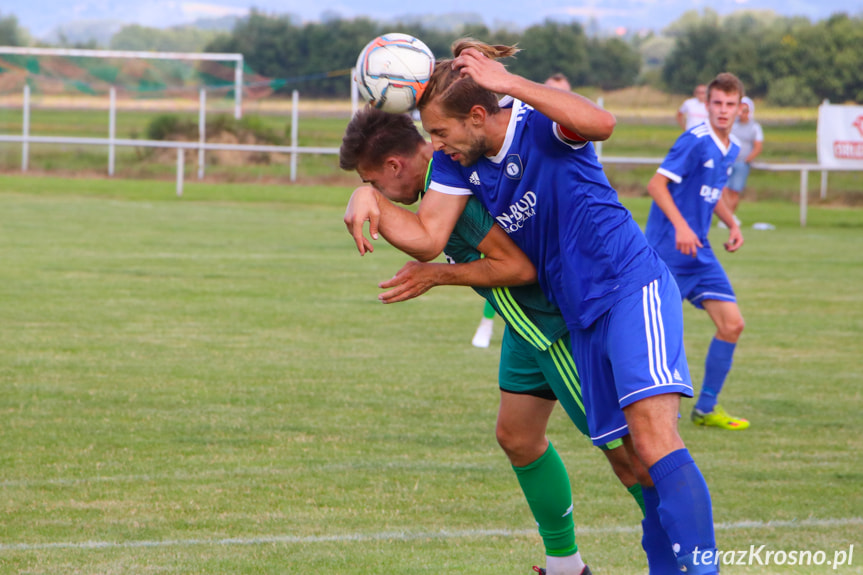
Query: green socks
(488, 311)
(635, 491)
(546, 487)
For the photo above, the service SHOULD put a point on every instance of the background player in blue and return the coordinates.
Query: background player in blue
(529, 163)
(536, 365)
(687, 190)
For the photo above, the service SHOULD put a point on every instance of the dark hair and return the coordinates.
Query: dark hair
(728, 83)
(373, 135)
(457, 94)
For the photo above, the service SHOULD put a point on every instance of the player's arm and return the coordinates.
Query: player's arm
(580, 118)
(685, 241)
(681, 119)
(735, 235)
(421, 235)
(504, 264)
(757, 146)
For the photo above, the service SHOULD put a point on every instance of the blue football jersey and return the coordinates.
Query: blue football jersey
(553, 199)
(697, 165)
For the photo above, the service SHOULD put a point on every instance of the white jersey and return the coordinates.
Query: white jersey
(694, 111)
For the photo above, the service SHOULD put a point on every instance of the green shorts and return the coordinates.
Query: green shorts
(549, 374)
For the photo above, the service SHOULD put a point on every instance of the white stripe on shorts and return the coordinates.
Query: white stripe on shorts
(654, 333)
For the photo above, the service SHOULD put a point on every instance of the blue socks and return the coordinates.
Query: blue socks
(654, 540)
(716, 368)
(685, 510)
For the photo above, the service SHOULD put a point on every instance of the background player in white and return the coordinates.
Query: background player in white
(750, 138)
(693, 111)
(686, 190)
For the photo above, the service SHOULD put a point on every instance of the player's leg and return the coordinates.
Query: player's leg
(621, 464)
(731, 198)
(714, 294)
(482, 337)
(734, 188)
(654, 539)
(645, 348)
(608, 423)
(526, 404)
(559, 369)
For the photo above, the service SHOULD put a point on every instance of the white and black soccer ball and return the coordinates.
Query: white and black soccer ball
(392, 72)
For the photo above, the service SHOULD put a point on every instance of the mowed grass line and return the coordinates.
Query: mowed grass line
(217, 367)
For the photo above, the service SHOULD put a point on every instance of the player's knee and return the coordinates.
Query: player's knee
(510, 442)
(520, 448)
(625, 470)
(731, 329)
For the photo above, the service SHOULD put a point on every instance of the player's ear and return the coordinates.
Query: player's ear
(477, 116)
(393, 165)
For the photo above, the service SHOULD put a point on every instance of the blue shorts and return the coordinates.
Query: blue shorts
(738, 176)
(633, 351)
(706, 280)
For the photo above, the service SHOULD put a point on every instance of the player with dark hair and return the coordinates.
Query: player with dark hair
(530, 162)
(536, 366)
(686, 191)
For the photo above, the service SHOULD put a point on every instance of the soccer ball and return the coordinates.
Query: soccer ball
(392, 72)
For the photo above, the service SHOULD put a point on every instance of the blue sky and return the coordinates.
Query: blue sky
(43, 16)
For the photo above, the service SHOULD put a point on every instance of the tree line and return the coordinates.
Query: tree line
(786, 60)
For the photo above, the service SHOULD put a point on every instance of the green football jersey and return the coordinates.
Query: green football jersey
(525, 309)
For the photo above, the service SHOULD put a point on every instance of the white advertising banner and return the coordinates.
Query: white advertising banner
(840, 136)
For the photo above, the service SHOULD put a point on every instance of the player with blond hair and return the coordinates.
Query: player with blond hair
(530, 162)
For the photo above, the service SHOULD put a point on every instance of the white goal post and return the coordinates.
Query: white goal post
(213, 57)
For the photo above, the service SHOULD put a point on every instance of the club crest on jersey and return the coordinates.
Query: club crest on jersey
(512, 167)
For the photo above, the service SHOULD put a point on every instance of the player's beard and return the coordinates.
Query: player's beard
(477, 149)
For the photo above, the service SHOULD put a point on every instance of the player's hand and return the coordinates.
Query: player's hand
(363, 207)
(485, 71)
(686, 241)
(413, 280)
(735, 239)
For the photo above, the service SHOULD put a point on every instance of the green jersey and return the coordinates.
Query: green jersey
(525, 309)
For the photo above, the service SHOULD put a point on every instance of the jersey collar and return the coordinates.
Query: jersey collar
(517, 105)
(717, 141)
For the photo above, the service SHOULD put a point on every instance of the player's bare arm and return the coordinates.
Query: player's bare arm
(504, 264)
(421, 235)
(570, 110)
(686, 241)
(735, 235)
(757, 147)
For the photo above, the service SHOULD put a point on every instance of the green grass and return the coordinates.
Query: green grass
(208, 385)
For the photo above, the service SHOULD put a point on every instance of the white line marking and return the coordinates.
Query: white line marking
(407, 536)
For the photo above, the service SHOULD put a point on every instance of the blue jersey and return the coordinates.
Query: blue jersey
(698, 166)
(553, 199)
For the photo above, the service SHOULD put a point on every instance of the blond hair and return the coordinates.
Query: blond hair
(458, 94)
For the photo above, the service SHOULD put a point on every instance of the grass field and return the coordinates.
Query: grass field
(208, 385)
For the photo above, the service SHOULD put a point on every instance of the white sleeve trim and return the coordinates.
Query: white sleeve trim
(449, 190)
(670, 175)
